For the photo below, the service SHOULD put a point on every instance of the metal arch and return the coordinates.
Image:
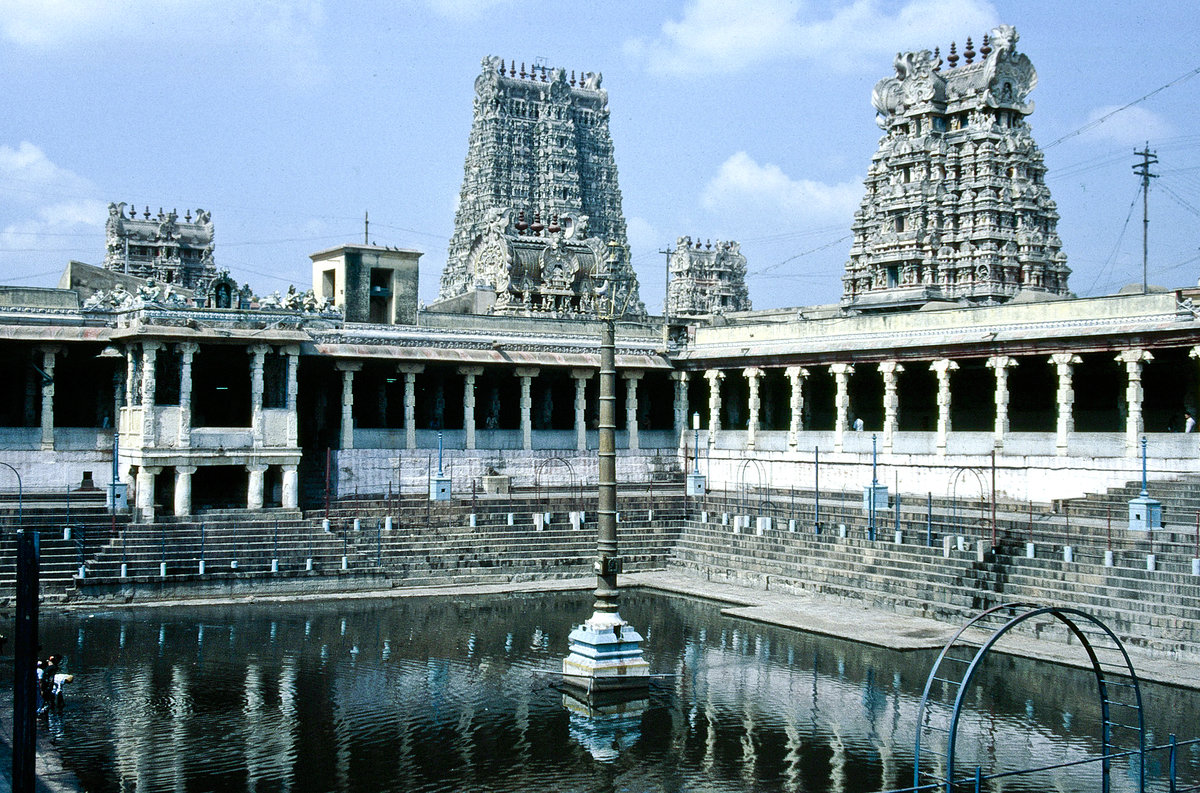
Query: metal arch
(537, 478)
(954, 479)
(741, 479)
(1064, 615)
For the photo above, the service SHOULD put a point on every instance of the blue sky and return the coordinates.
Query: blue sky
(749, 121)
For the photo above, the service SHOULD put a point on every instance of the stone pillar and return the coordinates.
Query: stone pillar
(581, 376)
(753, 375)
(797, 375)
(527, 373)
(631, 406)
(291, 487)
(183, 489)
(254, 486)
(258, 354)
(891, 402)
(681, 422)
(714, 376)
(1001, 364)
(47, 416)
(149, 412)
(943, 367)
(187, 352)
(469, 374)
(1065, 425)
(348, 368)
(145, 492)
(410, 372)
(1134, 423)
(293, 389)
(841, 402)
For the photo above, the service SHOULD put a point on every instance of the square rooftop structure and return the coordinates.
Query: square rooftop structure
(371, 283)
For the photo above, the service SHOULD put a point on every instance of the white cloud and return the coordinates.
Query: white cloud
(1132, 126)
(744, 186)
(718, 36)
(28, 177)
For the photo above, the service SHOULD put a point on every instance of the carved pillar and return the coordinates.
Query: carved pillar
(258, 354)
(631, 406)
(943, 367)
(891, 402)
(145, 492)
(410, 371)
(469, 374)
(841, 402)
(1065, 425)
(47, 416)
(183, 489)
(291, 487)
(680, 417)
(293, 389)
(348, 368)
(753, 377)
(796, 375)
(149, 357)
(187, 353)
(714, 377)
(581, 376)
(254, 486)
(527, 373)
(1134, 423)
(1001, 364)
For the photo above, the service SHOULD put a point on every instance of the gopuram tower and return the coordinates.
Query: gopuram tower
(540, 181)
(956, 203)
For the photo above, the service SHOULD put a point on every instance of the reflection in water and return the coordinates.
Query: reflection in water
(449, 695)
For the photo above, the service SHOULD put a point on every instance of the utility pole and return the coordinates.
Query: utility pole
(366, 228)
(667, 300)
(1142, 169)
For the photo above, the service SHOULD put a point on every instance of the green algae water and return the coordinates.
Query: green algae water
(455, 695)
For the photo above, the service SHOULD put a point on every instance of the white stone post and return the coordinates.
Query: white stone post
(149, 412)
(183, 489)
(942, 368)
(293, 389)
(714, 377)
(254, 486)
(469, 374)
(291, 487)
(797, 375)
(681, 425)
(258, 354)
(891, 402)
(187, 353)
(1134, 422)
(841, 402)
(1001, 364)
(753, 375)
(47, 416)
(581, 376)
(145, 492)
(410, 372)
(1065, 425)
(527, 373)
(631, 406)
(348, 368)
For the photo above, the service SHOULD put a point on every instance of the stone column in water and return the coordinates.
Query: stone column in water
(469, 374)
(753, 378)
(527, 373)
(1001, 364)
(631, 406)
(581, 376)
(942, 368)
(797, 375)
(1134, 422)
(841, 402)
(1065, 424)
(714, 376)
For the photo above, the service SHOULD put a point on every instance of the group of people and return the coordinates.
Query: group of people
(51, 681)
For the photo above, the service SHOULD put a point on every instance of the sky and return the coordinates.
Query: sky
(747, 121)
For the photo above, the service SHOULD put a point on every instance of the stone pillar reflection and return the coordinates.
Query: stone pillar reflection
(891, 402)
(714, 377)
(348, 368)
(631, 406)
(797, 375)
(410, 371)
(254, 486)
(527, 373)
(187, 353)
(149, 359)
(291, 487)
(681, 424)
(47, 417)
(1001, 364)
(469, 373)
(1065, 424)
(942, 368)
(1134, 422)
(581, 376)
(753, 379)
(258, 354)
(841, 402)
(183, 489)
